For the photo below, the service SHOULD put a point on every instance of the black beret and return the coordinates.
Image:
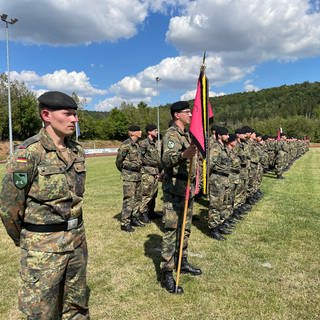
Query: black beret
(151, 127)
(56, 100)
(214, 127)
(221, 131)
(239, 131)
(232, 137)
(282, 134)
(258, 134)
(179, 106)
(265, 137)
(134, 128)
(248, 129)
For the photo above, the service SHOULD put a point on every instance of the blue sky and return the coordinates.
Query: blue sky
(111, 51)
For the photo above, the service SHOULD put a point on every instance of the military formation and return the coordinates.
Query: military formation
(237, 163)
(42, 195)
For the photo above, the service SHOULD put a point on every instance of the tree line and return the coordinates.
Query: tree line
(295, 108)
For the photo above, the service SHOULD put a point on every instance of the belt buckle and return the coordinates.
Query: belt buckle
(72, 223)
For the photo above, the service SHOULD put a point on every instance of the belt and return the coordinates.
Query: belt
(220, 173)
(235, 171)
(56, 227)
(243, 165)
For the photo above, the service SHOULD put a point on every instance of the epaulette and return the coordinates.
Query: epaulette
(29, 142)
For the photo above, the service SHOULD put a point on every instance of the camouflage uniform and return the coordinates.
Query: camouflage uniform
(43, 188)
(234, 178)
(219, 185)
(174, 185)
(128, 161)
(151, 166)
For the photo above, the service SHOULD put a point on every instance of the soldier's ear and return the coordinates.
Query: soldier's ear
(45, 115)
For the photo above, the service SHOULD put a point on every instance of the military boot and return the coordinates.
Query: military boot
(280, 176)
(186, 267)
(224, 230)
(127, 228)
(169, 283)
(144, 218)
(215, 234)
(136, 222)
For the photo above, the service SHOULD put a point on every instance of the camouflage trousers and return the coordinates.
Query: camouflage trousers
(53, 285)
(149, 190)
(241, 188)
(131, 201)
(173, 209)
(280, 162)
(253, 174)
(219, 200)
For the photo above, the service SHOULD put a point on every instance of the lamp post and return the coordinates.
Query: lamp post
(7, 22)
(158, 110)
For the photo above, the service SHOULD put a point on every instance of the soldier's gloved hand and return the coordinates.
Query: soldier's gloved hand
(189, 152)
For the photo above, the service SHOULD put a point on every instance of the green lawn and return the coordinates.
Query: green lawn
(267, 269)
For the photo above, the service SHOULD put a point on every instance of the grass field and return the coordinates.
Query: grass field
(267, 269)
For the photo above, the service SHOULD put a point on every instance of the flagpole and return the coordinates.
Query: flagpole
(186, 205)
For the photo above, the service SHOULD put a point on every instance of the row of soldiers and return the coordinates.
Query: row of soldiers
(237, 164)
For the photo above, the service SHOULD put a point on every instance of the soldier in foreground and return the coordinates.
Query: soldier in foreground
(41, 208)
(177, 152)
(129, 163)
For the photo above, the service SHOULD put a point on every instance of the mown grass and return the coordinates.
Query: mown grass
(267, 269)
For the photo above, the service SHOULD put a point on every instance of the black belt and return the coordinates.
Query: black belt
(243, 165)
(235, 171)
(56, 227)
(220, 173)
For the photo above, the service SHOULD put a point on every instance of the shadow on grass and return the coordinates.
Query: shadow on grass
(117, 216)
(200, 221)
(152, 249)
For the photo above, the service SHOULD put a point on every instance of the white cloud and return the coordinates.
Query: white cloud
(57, 22)
(245, 32)
(115, 102)
(189, 95)
(248, 86)
(59, 80)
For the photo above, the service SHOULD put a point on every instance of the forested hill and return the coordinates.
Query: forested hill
(295, 108)
(285, 101)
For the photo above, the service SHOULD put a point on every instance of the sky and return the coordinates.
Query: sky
(112, 51)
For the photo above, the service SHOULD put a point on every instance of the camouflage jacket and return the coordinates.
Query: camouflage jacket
(42, 187)
(150, 157)
(235, 166)
(176, 168)
(220, 162)
(128, 160)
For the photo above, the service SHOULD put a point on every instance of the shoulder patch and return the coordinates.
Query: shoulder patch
(170, 144)
(20, 179)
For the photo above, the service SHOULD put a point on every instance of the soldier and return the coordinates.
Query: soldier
(177, 152)
(150, 173)
(129, 162)
(282, 156)
(41, 208)
(219, 186)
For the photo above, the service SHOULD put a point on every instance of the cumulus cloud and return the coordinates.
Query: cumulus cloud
(247, 32)
(59, 80)
(189, 95)
(249, 86)
(60, 22)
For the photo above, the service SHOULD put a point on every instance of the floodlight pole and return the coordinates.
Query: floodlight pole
(7, 22)
(158, 110)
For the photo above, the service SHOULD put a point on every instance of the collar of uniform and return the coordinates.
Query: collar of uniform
(48, 143)
(182, 132)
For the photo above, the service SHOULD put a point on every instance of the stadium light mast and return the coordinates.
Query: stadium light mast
(7, 22)
(158, 110)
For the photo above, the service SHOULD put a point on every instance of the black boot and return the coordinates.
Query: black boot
(280, 176)
(169, 283)
(136, 222)
(188, 268)
(215, 234)
(144, 218)
(127, 228)
(223, 230)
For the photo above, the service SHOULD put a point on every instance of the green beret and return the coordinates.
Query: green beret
(56, 100)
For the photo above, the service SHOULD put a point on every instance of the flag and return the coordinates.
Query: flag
(201, 113)
(279, 133)
(77, 128)
(199, 126)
